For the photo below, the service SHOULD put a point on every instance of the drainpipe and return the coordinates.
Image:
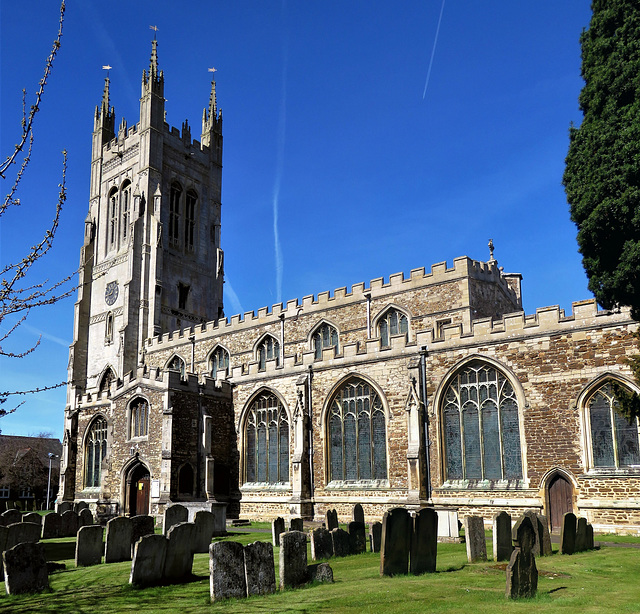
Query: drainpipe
(282, 339)
(368, 297)
(192, 338)
(311, 481)
(423, 394)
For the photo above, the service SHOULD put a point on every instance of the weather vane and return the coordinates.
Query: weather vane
(212, 69)
(155, 31)
(491, 258)
(107, 68)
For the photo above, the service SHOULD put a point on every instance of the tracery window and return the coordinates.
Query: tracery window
(174, 214)
(219, 361)
(105, 382)
(94, 452)
(614, 440)
(190, 219)
(357, 433)
(266, 441)
(108, 329)
(112, 207)
(325, 336)
(268, 349)
(481, 425)
(139, 418)
(177, 364)
(125, 200)
(393, 322)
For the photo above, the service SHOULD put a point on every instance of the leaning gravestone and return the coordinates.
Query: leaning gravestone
(259, 569)
(277, 527)
(545, 537)
(340, 541)
(357, 538)
(85, 517)
(293, 559)
(22, 532)
(358, 513)
(475, 539)
(375, 536)
(118, 540)
(205, 524)
(522, 574)
(149, 556)
(226, 571)
(296, 524)
(141, 525)
(568, 534)
(11, 516)
(581, 535)
(590, 543)
(320, 572)
(535, 523)
(68, 524)
(321, 544)
(424, 541)
(331, 519)
(179, 560)
(32, 517)
(89, 546)
(396, 542)
(25, 569)
(502, 544)
(173, 515)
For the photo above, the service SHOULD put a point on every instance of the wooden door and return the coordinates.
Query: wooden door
(560, 501)
(143, 486)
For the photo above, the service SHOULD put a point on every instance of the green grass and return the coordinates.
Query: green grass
(597, 581)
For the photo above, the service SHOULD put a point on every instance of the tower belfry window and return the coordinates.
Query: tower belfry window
(190, 219)
(125, 201)
(113, 218)
(174, 214)
(183, 294)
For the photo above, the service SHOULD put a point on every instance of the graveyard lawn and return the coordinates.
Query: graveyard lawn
(596, 581)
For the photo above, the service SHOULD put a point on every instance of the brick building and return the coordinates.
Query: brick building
(432, 389)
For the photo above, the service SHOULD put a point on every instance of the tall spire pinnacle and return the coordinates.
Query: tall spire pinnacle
(105, 97)
(213, 101)
(153, 64)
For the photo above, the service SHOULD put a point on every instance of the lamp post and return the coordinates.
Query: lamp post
(51, 456)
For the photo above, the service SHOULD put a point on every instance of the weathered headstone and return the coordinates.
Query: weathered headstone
(79, 506)
(396, 542)
(85, 517)
(22, 532)
(375, 536)
(141, 525)
(277, 527)
(581, 535)
(259, 569)
(293, 559)
(205, 524)
(331, 520)
(448, 525)
(340, 541)
(320, 572)
(32, 517)
(4, 534)
(226, 571)
(424, 541)
(502, 543)
(568, 534)
(179, 558)
(358, 513)
(321, 544)
(149, 556)
(68, 524)
(475, 539)
(12, 516)
(357, 538)
(64, 506)
(544, 536)
(118, 540)
(173, 515)
(533, 516)
(296, 524)
(522, 574)
(89, 546)
(25, 569)
(51, 526)
(589, 542)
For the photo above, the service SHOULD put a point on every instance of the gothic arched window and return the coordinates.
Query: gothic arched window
(112, 228)
(105, 382)
(268, 349)
(393, 322)
(185, 480)
(125, 200)
(266, 441)
(481, 425)
(357, 433)
(219, 361)
(139, 418)
(614, 440)
(177, 364)
(325, 336)
(190, 219)
(174, 214)
(95, 449)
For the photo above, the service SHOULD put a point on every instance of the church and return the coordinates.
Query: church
(432, 389)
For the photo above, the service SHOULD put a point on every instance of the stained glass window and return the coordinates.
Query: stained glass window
(268, 349)
(177, 364)
(266, 441)
(174, 214)
(393, 322)
(357, 433)
(481, 429)
(139, 418)
(219, 362)
(94, 452)
(325, 336)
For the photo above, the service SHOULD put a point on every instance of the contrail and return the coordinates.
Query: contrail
(433, 52)
(233, 297)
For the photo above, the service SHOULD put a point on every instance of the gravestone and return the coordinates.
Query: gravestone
(358, 513)
(149, 556)
(179, 559)
(173, 515)
(68, 524)
(205, 524)
(568, 534)
(89, 546)
(118, 540)
(226, 571)
(448, 525)
(321, 544)
(396, 542)
(51, 526)
(357, 538)
(4, 534)
(522, 574)
(293, 559)
(63, 507)
(259, 569)
(12, 516)
(25, 569)
(331, 520)
(424, 541)
(141, 525)
(581, 535)
(3, 522)
(320, 572)
(502, 544)
(375, 536)
(79, 506)
(85, 517)
(277, 527)
(340, 541)
(544, 536)
(22, 532)
(475, 539)
(296, 524)
(533, 516)
(590, 543)
(33, 517)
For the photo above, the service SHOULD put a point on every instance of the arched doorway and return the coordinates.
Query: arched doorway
(138, 487)
(560, 497)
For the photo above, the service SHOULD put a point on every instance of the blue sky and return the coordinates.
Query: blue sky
(328, 129)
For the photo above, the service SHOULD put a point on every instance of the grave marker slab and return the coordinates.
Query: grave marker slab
(424, 541)
(522, 573)
(568, 534)
(277, 527)
(51, 526)
(149, 556)
(581, 535)
(331, 520)
(502, 543)
(141, 525)
(590, 543)
(475, 539)
(4, 534)
(68, 524)
(179, 560)
(205, 525)
(375, 536)
(25, 569)
(22, 532)
(396, 542)
(118, 540)
(544, 535)
(64, 506)
(533, 516)
(12, 516)
(173, 515)
(85, 517)
(358, 513)
(321, 544)
(357, 538)
(293, 559)
(89, 546)
(296, 524)
(340, 541)
(226, 571)
(32, 517)
(320, 572)
(259, 569)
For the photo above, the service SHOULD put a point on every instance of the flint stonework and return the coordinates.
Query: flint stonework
(259, 569)
(173, 515)
(396, 542)
(321, 544)
(522, 573)
(375, 536)
(293, 559)
(149, 556)
(331, 520)
(358, 513)
(25, 569)
(502, 543)
(89, 546)
(475, 539)
(118, 540)
(296, 524)
(424, 542)
(205, 525)
(568, 534)
(340, 541)
(179, 560)
(320, 572)
(226, 571)
(277, 527)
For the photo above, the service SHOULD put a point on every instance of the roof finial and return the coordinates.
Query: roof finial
(105, 93)
(153, 66)
(491, 258)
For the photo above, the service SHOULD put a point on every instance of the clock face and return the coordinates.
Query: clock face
(111, 293)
